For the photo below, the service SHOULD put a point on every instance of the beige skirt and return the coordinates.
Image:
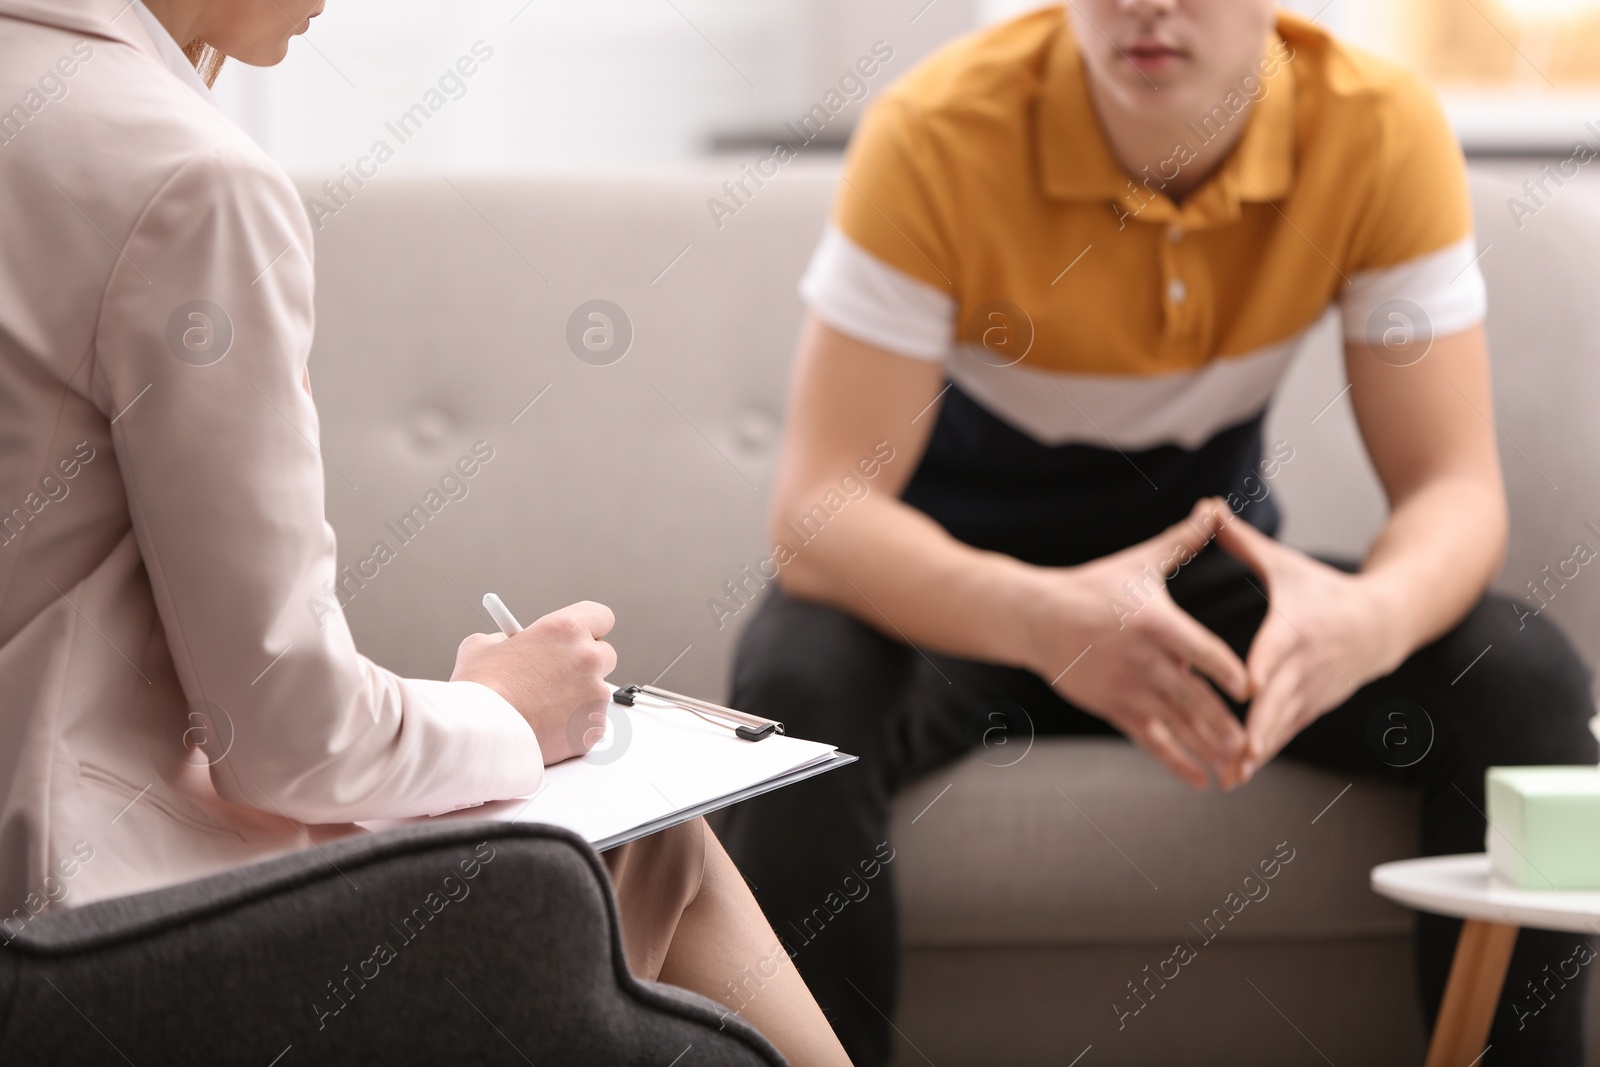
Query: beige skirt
(656, 878)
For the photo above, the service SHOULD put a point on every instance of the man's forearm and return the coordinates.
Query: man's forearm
(900, 572)
(1435, 557)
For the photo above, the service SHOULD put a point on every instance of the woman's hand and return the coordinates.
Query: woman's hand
(1142, 656)
(1325, 636)
(553, 673)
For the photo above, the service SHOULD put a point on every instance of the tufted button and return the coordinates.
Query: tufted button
(1176, 290)
(1174, 233)
(429, 428)
(755, 431)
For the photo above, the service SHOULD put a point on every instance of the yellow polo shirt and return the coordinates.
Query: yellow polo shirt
(982, 221)
(983, 177)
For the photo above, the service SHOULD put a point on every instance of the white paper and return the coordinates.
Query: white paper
(652, 763)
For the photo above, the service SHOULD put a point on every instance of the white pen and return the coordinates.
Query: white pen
(501, 615)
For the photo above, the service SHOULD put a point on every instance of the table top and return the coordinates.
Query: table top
(1461, 886)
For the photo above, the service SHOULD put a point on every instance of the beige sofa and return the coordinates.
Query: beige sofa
(443, 314)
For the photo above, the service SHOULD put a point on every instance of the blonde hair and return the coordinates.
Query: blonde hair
(207, 60)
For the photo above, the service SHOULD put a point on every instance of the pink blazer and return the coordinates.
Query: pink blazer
(170, 705)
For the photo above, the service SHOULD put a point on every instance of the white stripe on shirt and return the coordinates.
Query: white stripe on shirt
(866, 298)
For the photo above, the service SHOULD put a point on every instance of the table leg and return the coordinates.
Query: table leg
(1476, 975)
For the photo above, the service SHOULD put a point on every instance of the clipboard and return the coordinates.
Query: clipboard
(837, 760)
(656, 767)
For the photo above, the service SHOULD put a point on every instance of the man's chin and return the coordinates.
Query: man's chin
(1173, 98)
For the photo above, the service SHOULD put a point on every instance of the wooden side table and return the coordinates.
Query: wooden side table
(1460, 886)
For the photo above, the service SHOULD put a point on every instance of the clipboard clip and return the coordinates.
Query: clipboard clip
(749, 727)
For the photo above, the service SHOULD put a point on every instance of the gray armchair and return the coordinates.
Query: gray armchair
(467, 942)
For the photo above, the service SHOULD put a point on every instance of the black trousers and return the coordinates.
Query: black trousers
(828, 675)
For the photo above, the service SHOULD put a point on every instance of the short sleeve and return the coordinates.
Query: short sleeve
(862, 296)
(1414, 243)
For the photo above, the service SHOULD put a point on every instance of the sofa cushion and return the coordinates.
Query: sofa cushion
(443, 311)
(1092, 842)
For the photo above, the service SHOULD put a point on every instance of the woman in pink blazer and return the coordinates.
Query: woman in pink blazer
(168, 708)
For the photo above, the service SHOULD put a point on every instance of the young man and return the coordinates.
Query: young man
(1070, 259)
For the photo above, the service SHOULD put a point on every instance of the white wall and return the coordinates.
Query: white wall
(592, 86)
(601, 84)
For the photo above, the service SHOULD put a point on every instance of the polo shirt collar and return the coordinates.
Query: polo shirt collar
(1075, 162)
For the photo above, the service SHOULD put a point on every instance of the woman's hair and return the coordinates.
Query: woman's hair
(207, 60)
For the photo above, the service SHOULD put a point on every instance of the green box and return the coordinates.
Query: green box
(1544, 826)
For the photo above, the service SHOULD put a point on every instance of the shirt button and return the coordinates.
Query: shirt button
(1174, 234)
(1176, 290)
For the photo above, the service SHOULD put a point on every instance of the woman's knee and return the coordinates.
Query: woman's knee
(656, 879)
